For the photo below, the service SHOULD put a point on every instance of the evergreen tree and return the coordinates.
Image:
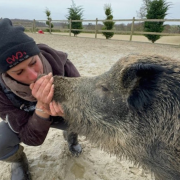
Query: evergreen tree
(108, 25)
(157, 10)
(75, 13)
(48, 14)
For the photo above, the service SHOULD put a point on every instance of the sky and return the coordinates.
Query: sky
(35, 9)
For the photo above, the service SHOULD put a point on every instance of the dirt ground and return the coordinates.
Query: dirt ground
(51, 160)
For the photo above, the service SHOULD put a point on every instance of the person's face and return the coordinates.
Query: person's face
(27, 71)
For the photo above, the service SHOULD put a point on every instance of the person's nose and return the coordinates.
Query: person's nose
(32, 74)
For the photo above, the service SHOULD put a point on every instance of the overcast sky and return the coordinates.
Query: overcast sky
(34, 9)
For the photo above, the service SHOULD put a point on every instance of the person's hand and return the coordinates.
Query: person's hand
(43, 89)
(54, 109)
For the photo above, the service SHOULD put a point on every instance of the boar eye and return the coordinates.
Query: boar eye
(104, 88)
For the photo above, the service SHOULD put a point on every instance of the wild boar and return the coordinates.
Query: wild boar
(132, 110)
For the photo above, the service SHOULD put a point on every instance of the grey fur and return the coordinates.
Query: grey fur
(132, 110)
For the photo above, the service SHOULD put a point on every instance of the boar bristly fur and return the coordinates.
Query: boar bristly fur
(132, 110)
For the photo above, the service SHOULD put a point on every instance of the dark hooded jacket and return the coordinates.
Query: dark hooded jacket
(32, 129)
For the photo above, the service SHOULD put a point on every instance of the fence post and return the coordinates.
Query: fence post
(34, 26)
(96, 28)
(70, 27)
(132, 28)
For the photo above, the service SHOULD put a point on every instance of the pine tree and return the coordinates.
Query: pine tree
(157, 10)
(75, 13)
(48, 14)
(108, 25)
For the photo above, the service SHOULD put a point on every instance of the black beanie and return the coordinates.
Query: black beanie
(15, 45)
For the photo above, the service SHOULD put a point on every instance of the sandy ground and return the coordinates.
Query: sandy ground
(51, 160)
(171, 40)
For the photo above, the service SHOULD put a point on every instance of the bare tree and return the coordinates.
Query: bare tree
(143, 9)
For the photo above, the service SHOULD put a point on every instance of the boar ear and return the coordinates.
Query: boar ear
(139, 83)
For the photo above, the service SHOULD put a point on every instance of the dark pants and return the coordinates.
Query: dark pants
(9, 141)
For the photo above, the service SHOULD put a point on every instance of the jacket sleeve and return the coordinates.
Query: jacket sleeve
(31, 129)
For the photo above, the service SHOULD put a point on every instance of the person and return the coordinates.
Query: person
(26, 106)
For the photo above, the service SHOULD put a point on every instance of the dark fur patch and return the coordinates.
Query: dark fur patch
(147, 76)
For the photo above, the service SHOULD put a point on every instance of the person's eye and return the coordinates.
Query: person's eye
(33, 63)
(19, 73)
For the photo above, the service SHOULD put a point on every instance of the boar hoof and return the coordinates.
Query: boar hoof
(75, 149)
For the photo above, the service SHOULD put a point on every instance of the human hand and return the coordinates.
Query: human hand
(54, 109)
(43, 89)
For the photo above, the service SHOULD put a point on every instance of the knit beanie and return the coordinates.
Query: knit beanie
(15, 45)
